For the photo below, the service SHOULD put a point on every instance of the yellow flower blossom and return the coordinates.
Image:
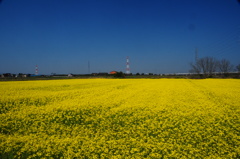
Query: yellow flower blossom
(120, 118)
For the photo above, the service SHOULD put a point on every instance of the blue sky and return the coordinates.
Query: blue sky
(159, 36)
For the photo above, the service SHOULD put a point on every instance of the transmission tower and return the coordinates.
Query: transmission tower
(127, 66)
(36, 70)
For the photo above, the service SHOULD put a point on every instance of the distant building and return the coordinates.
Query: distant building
(113, 72)
(22, 75)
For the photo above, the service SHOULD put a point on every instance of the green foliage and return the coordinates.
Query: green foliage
(119, 75)
(238, 68)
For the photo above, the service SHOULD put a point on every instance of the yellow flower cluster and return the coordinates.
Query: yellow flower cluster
(120, 118)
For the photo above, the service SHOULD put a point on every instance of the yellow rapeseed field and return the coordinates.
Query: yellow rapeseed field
(120, 118)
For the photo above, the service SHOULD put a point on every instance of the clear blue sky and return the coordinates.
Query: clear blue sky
(159, 36)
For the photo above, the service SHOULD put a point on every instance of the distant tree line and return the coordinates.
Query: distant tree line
(208, 66)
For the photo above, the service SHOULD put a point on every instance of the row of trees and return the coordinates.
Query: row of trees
(210, 65)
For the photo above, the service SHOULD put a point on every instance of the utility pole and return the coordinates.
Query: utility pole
(88, 67)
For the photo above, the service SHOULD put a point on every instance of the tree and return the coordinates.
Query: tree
(119, 75)
(195, 68)
(225, 66)
(208, 65)
(238, 68)
(205, 65)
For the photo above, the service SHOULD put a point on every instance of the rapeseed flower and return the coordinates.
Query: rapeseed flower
(120, 118)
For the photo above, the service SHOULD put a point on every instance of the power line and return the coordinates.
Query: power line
(229, 42)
